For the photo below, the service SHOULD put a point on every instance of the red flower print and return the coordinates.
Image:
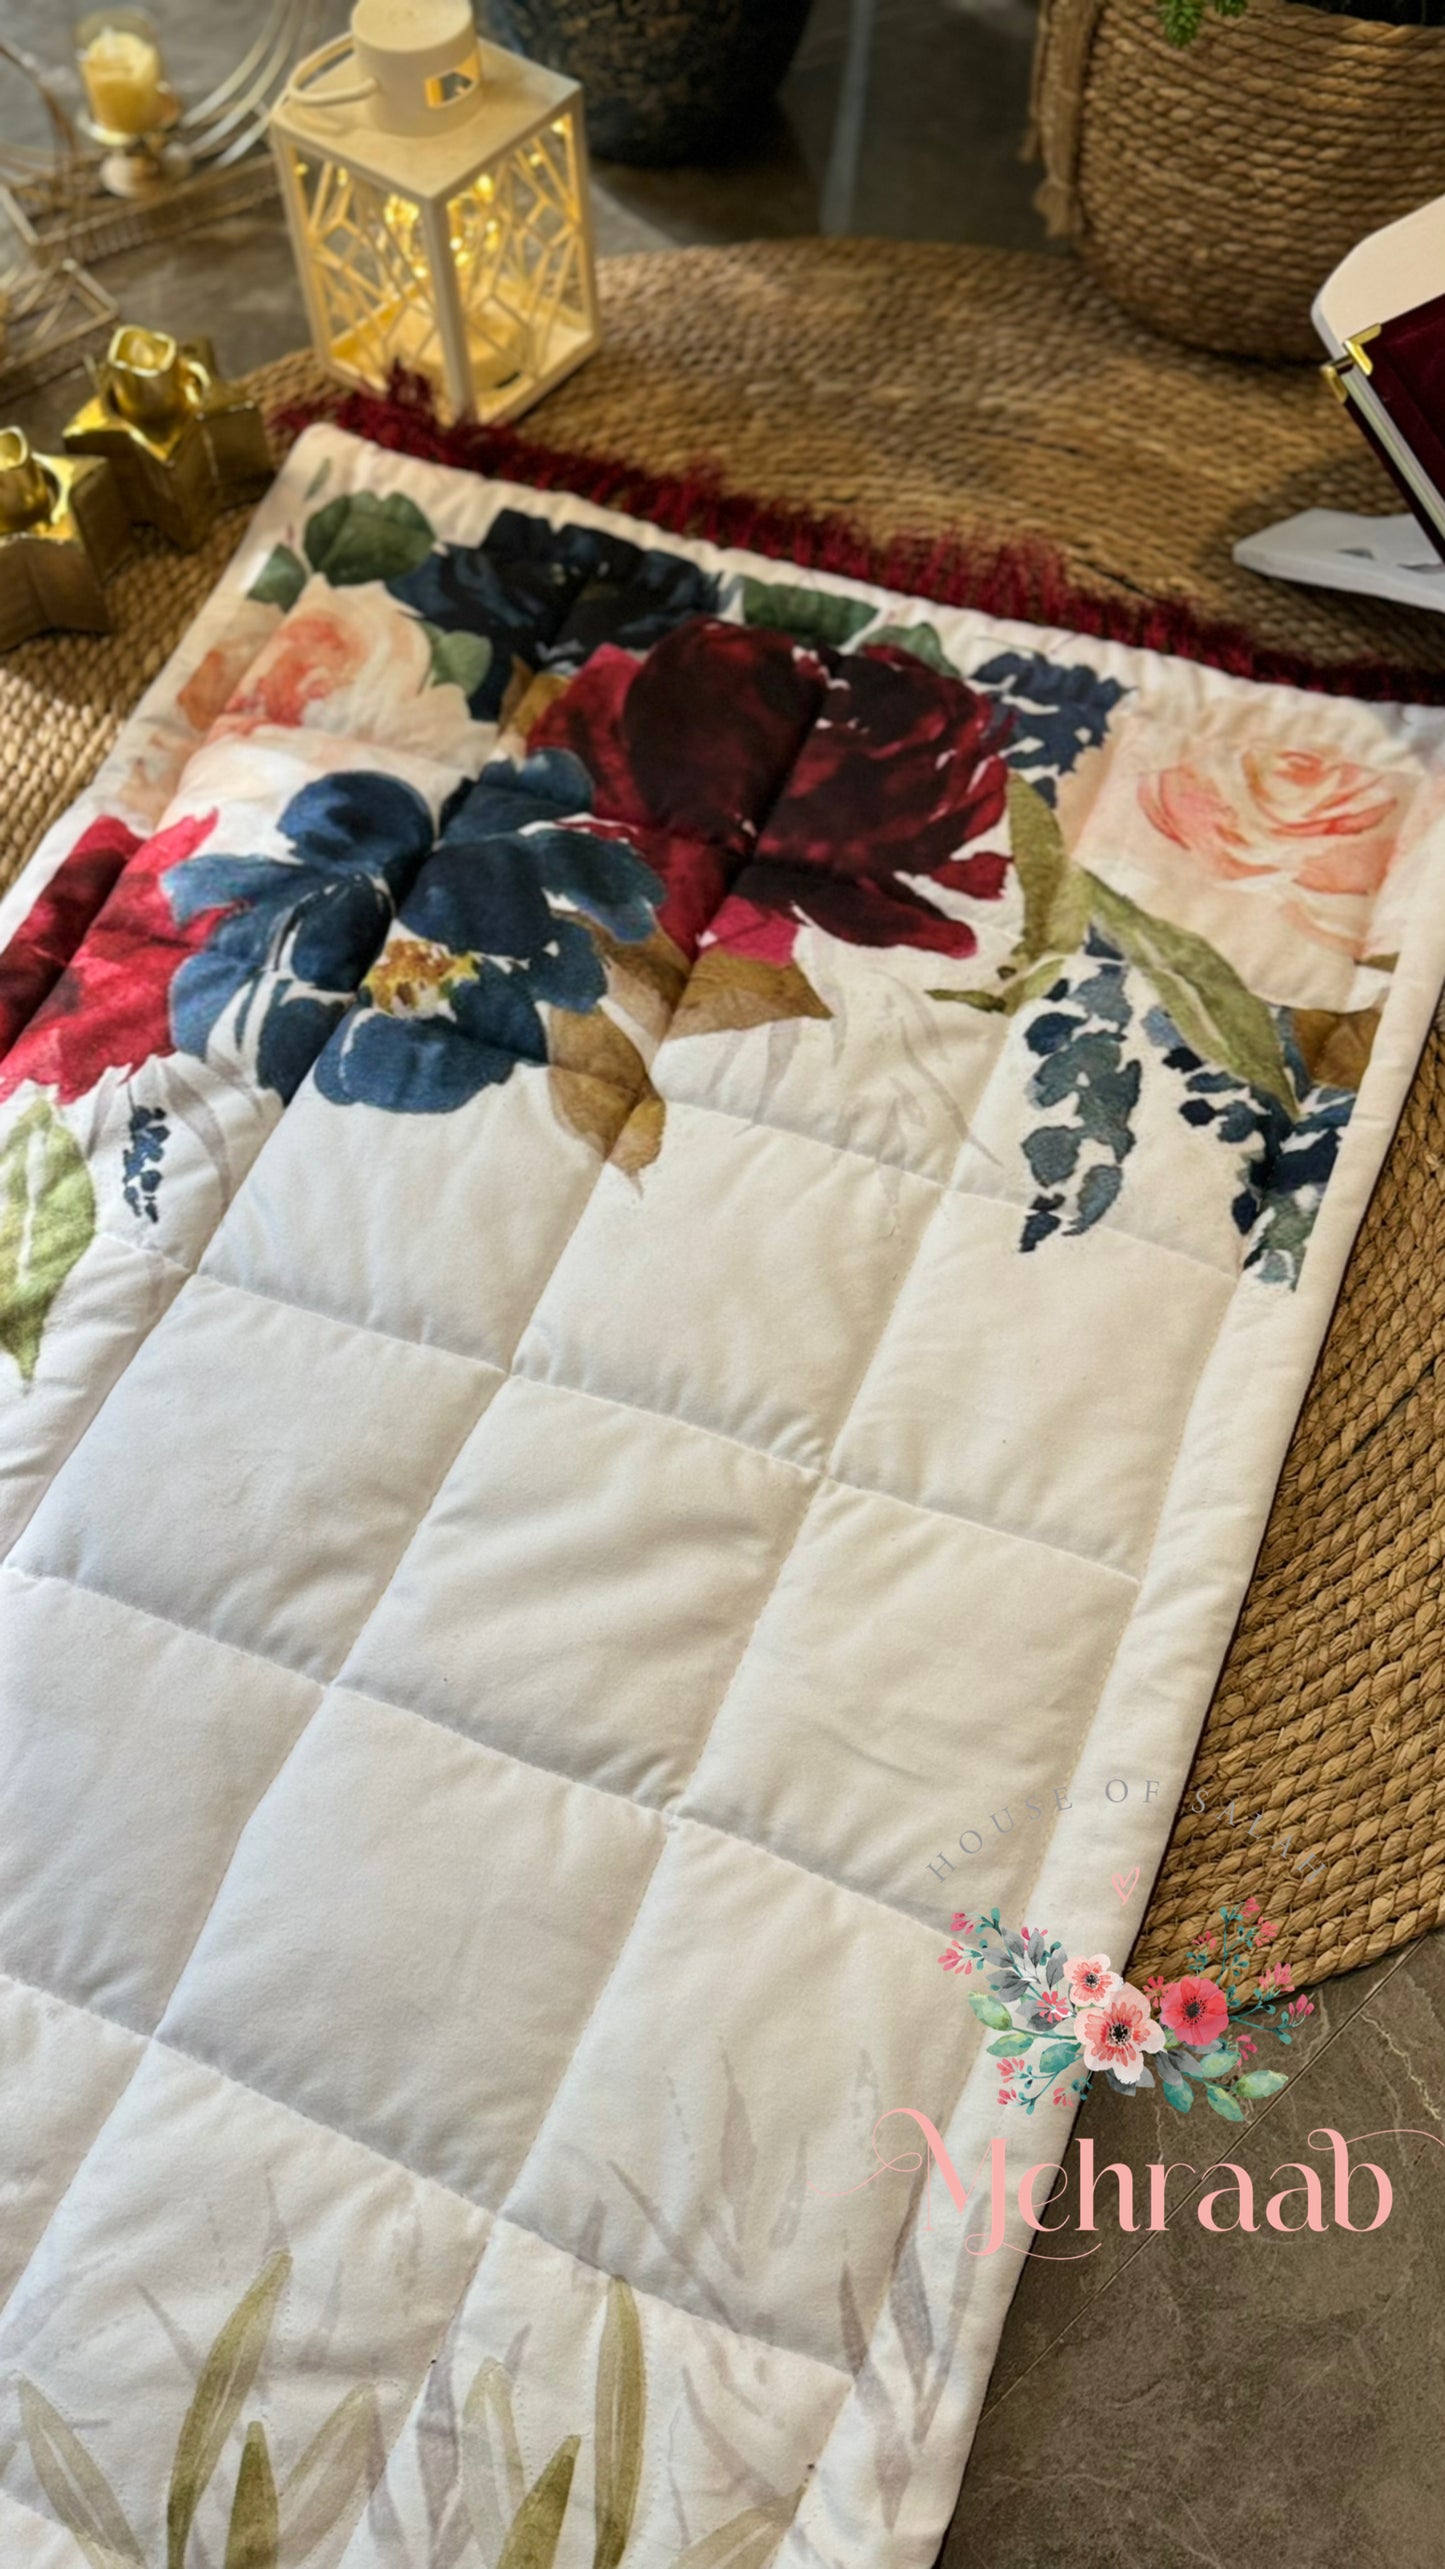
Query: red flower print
(1196, 2010)
(108, 1009)
(770, 785)
(961, 1923)
(1267, 1930)
(57, 920)
(1251, 1907)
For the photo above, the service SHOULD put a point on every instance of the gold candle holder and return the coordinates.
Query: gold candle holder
(184, 444)
(132, 110)
(63, 530)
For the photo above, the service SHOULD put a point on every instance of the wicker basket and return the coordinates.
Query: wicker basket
(1212, 190)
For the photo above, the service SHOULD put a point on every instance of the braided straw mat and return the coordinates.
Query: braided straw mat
(931, 391)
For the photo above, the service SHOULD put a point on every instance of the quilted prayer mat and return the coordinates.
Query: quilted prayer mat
(661, 1223)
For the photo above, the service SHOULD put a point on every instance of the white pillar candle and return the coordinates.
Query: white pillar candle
(124, 82)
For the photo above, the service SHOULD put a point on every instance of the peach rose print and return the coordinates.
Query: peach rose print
(1320, 832)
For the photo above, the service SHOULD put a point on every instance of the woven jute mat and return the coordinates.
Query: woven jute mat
(937, 392)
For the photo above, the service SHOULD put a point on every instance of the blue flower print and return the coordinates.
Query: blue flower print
(497, 926)
(1060, 709)
(300, 930)
(549, 595)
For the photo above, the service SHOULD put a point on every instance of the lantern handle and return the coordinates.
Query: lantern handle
(303, 99)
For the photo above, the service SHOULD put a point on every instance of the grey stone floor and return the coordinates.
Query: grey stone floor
(1173, 2402)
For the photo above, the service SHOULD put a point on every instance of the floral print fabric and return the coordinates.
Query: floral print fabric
(615, 1162)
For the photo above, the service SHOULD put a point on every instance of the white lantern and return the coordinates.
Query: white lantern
(436, 190)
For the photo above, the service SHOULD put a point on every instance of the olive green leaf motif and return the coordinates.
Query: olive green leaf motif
(254, 2536)
(536, 2528)
(621, 2419)
(354, 538)
(267, 2526)
(458, 659)
(76, 2486)
(827, 616)
(47, 1222)
(1214, 1011)
(220, 2394)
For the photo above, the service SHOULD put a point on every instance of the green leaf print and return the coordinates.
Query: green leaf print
(280, 580)
(923, 640)
(226, 2378)
(1257, 2084)
(536, 2528)
(77, 2487)
(360, 537)
(1223, 2103)
(1056, 894)
(493, 2480)
(47, 1222)
(253, 2540)
(809, 615)
(458, 659)
(990, 2011)
(1216, 1015)
(746, 2541)
(621, 2415)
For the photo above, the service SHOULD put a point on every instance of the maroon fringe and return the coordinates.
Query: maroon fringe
(1021, 579)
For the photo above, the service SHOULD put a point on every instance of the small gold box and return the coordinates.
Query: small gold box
(184, 445)
(63, 530)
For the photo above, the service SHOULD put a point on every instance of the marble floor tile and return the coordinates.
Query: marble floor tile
(1242, 2401)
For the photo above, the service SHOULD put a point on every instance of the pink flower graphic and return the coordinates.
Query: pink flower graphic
(953, 1958)
(1196, 2010)
(961, 1923)
(1090, 1978)
(1277, 1976)
(1117, 2035)
(1054, 2005)
(1299, 2008)
(1267, 1929)
(1314, 832)
(1157, 1985)
(1251, 1907)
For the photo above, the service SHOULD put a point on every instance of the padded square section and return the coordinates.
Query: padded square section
(410, 1938)
(196, 2196)
(440, 1228)
(63, 2073)
(131, 1755)
(908, 1672)
(780, 2094)
(257, 1472)
(1059, 1409)
(742, 1284)
(833, 1041)
(583, 1587)
(728, 2422)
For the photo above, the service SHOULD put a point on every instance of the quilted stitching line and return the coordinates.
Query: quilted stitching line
(797, 2537)
(492, 2214)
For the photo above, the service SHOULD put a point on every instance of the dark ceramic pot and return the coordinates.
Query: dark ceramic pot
(664, 80)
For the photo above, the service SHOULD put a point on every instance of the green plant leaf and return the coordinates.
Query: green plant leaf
(47, 1222)
(342, 2459)
(536, 2528)
(827, 616)
(1004, 2047)
(1059, 2056)
(1223, 2103)
(621, 2421)
(458, 659)
(923, 640)
(746, 2541)
(226, 2378)
(253, 2537)
(1177, 2089)
(76, 2486)
(1214, 1012)
(990, 2011)
(360, 537)
(1257, 2084)
(1057, 895)
(281, 578)
(1215, 2063)
(493, 2480)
